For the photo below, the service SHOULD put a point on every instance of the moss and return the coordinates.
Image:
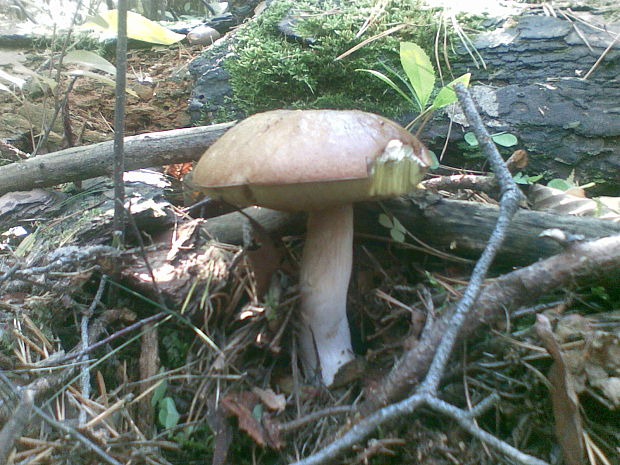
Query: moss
(268, 71)
(223, 114)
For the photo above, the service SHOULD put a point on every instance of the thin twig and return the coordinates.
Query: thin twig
(110, 338)
(509, 203)
(14, 428)
(58, 105)
(467, 424)
(69, 255)
(363, 429)
(85, 369)
(119, 124)
(314, 416)
(77, 435)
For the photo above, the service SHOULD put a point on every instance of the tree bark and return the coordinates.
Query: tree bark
(463, 228)
(534, 86)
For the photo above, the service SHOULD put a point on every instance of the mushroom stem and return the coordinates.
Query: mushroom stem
(325, 340)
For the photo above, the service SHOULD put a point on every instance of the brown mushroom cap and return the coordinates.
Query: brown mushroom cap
(311, 159)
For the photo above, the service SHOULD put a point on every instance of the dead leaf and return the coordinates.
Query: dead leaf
(240, 405)
(272, 401)
(568, 428)
(517, 161)
(596, 362)
(602, 364)
(572, 202)
(178, 170)
(264, 256)
(245, 406)
(611, 207)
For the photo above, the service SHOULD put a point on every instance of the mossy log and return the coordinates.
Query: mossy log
(553, 83)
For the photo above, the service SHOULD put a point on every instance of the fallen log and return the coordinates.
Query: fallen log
(80, 163)
(463, 228)
(455, 226)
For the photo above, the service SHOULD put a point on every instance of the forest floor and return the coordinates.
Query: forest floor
(242, 400)
(158, 75)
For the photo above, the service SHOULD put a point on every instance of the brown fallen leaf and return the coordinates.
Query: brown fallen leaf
(246, 407)
(517, 161)
(568, 427)
(265, 257)
(272, 401)
(595, 362)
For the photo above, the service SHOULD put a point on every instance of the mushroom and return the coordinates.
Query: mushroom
(319, 161)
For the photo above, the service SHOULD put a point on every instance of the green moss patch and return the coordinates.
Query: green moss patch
(269, 71)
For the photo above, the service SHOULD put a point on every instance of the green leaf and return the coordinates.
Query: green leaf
(389, 82)
(27, 244)
(521, 178)
(397, 235)
(90, 59)
(601, 292)
(434, 160)
(39, 78)
(398, 225)
(504, 139)
(402, 80)
(561, 184)
(385, 221)
(159, 392)
(138, 27)
(168, 414)
(432, 280)
(419, 70)
(446, 95)
(257, 412)
(470, 138)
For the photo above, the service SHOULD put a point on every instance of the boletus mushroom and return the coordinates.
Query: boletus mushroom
(319, 161)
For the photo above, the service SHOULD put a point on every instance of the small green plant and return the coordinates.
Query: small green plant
(601, 293)
(420, 82)
(397, 230)
(268, 71)
(524, 179)
(167, 412)
(568, 183)
(505, 139)
(432, 281)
